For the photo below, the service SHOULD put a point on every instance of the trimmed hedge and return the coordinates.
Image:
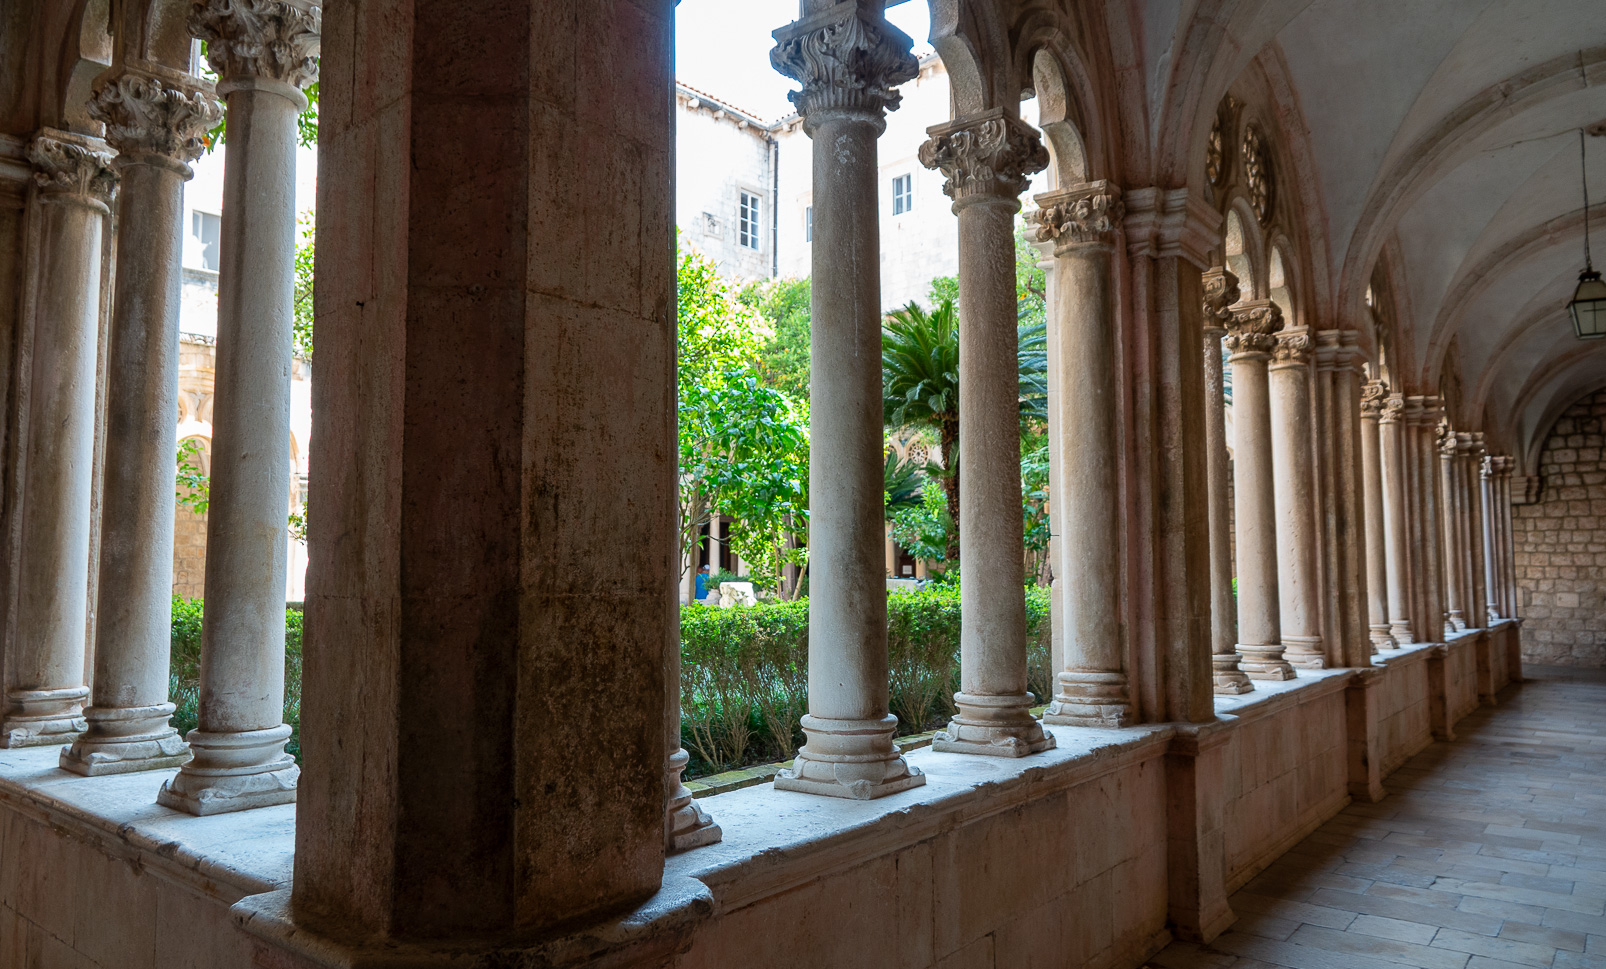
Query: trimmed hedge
(744, 672)
(184, 673)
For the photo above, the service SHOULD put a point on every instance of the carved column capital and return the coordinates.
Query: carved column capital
(1253, 328)
(147, 115)
(1393, 409)
(1220, 292)
(986, 156)
(1496, 465)
(73, 165)
(1373, 395)
(849, 60)
(1445, 439)
(277, 40)
(1089, 213)
(1293, 349)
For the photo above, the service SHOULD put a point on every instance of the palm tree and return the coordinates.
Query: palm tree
(920, 384)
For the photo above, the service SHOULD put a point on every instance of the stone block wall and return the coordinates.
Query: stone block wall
(189, 553)
(1403, 722)
(1561, 543)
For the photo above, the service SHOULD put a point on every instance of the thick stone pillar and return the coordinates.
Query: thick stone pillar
(1394, 461)
(1343, 536)
(1251, 338)
(1093, 688)
(988, 160)
(1477, 526)
(1296, 502)
(1376, 541)
(156, 124)
(1220, 292)
(1449, 525)
(45, 681)
(848, 59)
(263, 53)
(491, 613)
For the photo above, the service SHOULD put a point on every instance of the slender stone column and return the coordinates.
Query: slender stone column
(1477, 526)
(1449, 525)
(1338, 369)
(45, 680)
(1377, 580)
(848, 59)
(156, 124)
(264, 53)
(1251, 338)
(1428, 556)
(1093, 687)
(1494, 536)
(1393, 463)
(1220, 292)
(1295, 501)
(1508, 553)
(988, 160)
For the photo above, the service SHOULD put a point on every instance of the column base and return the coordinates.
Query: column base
(233, 772)
(121, 740)
(849, 758)
(1381, 639)
(1304, 652)
(1088, 698)
(1264, 661)
(994, 726)
(1400, 632)
(39, 718)
(1456, 620)
(1228, 678)
(686, 825)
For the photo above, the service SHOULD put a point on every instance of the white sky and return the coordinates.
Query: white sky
(723, 47)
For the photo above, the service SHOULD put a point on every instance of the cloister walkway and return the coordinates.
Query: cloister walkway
(1488, 853)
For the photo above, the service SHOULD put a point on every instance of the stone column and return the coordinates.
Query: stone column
(1508, 549)
(156, 124)
(1251, 338)
(1427, 555)
(1490, 491)
(1449, 528)
(848, 60)
(263, 53)
(1295, 501)
(45, 680)
(988, 160)
(1220, 292)
(1093, 687)
(1377, 580)
(1393, 461)
(1477, 525)
(1344, 537)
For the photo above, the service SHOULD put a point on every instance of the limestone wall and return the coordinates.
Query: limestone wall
(1561, 543)
(1403, 723)
(1461, 675)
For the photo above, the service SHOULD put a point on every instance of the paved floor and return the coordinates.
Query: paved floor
(1488, 853)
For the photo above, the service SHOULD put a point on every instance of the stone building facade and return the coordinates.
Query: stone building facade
(1561, 543)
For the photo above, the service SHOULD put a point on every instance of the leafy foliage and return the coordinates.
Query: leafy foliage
(744, 672)
(301, 332)
(194, 487)
(920, 388)
(783, 357)
(901, 482)
(925, 527)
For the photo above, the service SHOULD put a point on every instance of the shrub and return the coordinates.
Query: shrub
(744, 672)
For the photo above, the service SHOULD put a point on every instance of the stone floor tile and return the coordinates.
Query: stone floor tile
(1511, 950)
(1433, 916)
(1424, 896)
(1293, 956)
(1578, 960)
(1187, 955)
(1393, 928)
(1571, 921)
(1484, 962)
(1502, 910)
(1331, 918)
(1388, 950)
(1265, 926)
(1543, 935)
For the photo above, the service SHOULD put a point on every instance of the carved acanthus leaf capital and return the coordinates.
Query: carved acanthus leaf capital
(69, 164)
(988, 156)
(146, 115)
(274, 39)
(1393, 409)
(1220, 292)
(1087, 214)
(1496, 465)
(1292, 348)
(848, 58)
(1445, 439)
(1253, 327)
(1373, 393)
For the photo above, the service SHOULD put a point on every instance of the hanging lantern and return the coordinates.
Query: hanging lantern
(1588, 306)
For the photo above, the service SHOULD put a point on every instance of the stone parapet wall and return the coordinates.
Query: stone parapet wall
(1064, 858)
(1561, 543)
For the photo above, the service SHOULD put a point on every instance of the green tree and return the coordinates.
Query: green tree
(195, 486)
(925, 527)
(301, 332)
(920, 389)
(783, 357)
